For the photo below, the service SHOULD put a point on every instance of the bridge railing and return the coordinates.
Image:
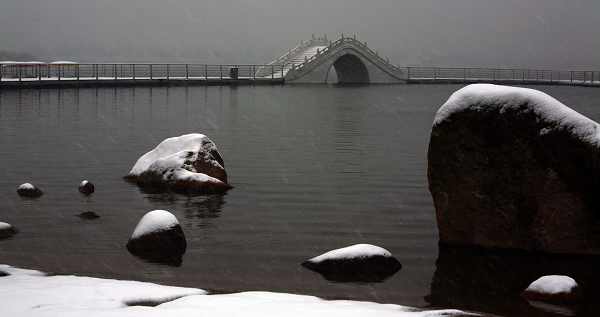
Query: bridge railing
(343, 40)
(517, 75)
(136, 71)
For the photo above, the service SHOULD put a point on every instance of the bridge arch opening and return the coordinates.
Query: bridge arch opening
(349, 69)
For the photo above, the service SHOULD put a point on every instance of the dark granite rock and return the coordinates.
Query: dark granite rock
(178, 164)
(86, 187)
(358, 263)
(29, 190)
(514, 168)
(158, 237)
(7, 230)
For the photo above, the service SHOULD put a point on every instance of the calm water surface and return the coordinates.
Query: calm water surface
(314, 168)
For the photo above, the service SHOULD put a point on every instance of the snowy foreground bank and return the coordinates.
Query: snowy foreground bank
(32, 293)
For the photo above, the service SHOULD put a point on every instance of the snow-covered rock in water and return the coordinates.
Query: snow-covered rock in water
(514, 168)
(189, 163)
(86, 187)
(158, 236)
(559, 289)
(29, 190)
(33, 294)
(6, 230)
(356, 263)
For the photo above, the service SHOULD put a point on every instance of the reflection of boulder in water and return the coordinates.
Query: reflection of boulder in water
(358, 263)
(205, 207)
(492, 280)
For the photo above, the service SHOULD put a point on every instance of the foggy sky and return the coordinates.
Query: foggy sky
(504, 33)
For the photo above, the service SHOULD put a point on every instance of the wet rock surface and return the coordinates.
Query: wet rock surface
(189, 164)
(158, 237)
(514, 168)
(7, 230)
(86, 187)
(357, 263)
(29, 190)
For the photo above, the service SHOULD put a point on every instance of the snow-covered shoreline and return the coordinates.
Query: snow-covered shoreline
(33, 293)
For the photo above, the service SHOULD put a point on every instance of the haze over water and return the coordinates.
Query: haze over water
(314, 168)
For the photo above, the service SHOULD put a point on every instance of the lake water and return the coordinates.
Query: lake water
(314, 168)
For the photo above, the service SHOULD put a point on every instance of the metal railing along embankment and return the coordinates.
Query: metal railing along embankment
(502, 75)
(29, 74)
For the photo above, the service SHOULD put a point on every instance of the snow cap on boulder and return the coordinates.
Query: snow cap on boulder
(356, 263)
(559, 289)
(487, 97)
(189, 163)
(29, 190)
(158, 236)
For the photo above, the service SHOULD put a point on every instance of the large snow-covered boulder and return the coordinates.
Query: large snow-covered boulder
(559, 289)
(356, 263)
(514, 168)
(6, 230)
(29, 190)
(189, 163)
(158, 236)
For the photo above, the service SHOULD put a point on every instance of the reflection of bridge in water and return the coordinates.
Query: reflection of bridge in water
(317, 61)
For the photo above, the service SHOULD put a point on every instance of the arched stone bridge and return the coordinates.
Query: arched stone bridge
(353, 62)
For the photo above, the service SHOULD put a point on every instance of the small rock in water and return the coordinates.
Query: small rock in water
(357, 263)
(88, 215)
(558, 289)
(86, 188)
(6, 230)
(29, 190)
(158, 237)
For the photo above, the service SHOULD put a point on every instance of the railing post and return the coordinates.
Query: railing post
(254, 72)
(407, 73)
(115, 71)
(205, 72)
(282, 67)
(59, 71)
(133, 71)
(151, 75)
(571, 76)
(221, 72)
(39, 73)
(77, 70)
(187, 72)
(435, 73)
(168, 71)
(96, 70)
